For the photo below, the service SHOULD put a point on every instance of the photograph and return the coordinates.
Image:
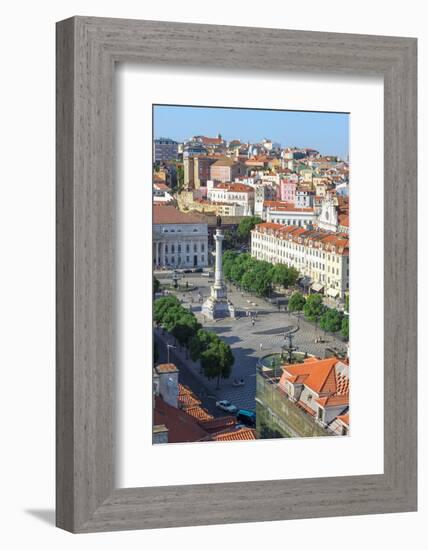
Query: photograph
(250, 274)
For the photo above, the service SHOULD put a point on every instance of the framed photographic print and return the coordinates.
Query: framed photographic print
(236, 270)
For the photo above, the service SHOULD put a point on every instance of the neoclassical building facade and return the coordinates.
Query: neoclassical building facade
(179, 239)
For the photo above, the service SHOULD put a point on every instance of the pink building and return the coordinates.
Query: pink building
(288, 190)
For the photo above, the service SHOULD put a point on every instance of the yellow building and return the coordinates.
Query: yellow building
(320, 256)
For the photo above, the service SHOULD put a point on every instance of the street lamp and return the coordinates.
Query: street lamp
(175, 279)
(168, 347)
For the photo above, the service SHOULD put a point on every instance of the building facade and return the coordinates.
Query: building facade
(233, 193)
(179, 239)
(286, 213)
(197, 171)
(164, 149)
(226, 169)
(321, 256)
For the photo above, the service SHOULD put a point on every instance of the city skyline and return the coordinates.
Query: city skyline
(326, 132)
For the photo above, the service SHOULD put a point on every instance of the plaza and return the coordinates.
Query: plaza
(248, 342)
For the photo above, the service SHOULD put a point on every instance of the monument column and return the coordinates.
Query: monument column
(217, 305)
(218, 237)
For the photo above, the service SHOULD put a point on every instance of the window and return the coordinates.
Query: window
(187, 248)
(166, 249)
(202, 247)
(195, 247)
(172, 249)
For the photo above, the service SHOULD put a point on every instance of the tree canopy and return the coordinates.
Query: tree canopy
(215, 356)
(256, 275)
(156, 285)
(345, 327)
(296, 302)
(314, 307)
(284, 276)
(246, 225)
(331, 320)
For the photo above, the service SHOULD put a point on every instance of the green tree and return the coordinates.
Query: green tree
(185, 327)
(217, 361)
(180, 177)
(345, 327)
(246, 225)
(156, 285)
(296, 302)
(200, 343)
(257, 277)
(331, 320)
(314, 308)
(283, 275)
(347, 303)
(162, 306)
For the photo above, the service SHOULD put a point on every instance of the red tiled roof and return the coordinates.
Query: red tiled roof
(161, 186)
(184, 390)
(319, 373)
(344, 418)
(198, 413)
(166, 367)
(243, 434)
(285, 206)
(210, 141)
(235, 187)
(333, 400)
(181, 426)
(163, 214)
(219, 423)
(188, 400)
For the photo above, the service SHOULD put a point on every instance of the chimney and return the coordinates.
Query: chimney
(168, 383)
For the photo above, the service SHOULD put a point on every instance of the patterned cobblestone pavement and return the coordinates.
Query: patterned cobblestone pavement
(249, 342)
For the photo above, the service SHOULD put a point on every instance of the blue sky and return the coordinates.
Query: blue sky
(326, 132)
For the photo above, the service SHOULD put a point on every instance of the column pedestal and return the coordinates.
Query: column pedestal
(217, 306)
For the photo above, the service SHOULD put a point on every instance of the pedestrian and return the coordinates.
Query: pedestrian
(252, 321)
(261, 346)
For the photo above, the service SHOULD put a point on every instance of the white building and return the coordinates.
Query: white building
(162, 194)
(320, 256)
(285, 213)
(179, 239)
(232, 193)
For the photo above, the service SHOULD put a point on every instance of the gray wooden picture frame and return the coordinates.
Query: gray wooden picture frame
(87, 50)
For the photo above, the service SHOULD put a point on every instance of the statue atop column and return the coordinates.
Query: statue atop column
(217, 305)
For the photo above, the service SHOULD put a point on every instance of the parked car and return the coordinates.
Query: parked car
(246, 417)
(227, 406)
(187, 271)
(198, 270)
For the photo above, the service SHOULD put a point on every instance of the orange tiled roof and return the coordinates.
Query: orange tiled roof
(333, 400)
(169, 215)
(235, 187)
(217, 424)
(188, 400)
(319, 374)
(211, 141)
(166, 367)
(344, 418)
(183, 390)
(199, 413)
(285, 206)
(243, 434)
